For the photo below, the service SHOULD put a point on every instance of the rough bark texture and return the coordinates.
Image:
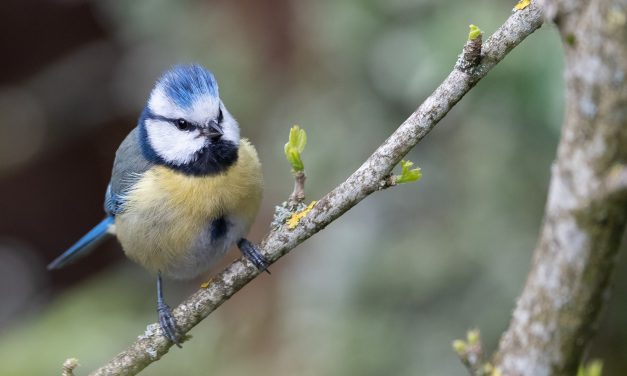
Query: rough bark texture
(367, 179)
(586, 209)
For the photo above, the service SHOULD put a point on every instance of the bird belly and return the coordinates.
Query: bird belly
(208, 248)
(180, 224)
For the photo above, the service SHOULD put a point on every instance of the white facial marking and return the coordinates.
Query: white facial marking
(180, 147)
(171, 144)
(229, 127)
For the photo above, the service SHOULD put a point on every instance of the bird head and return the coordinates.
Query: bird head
(185, 125)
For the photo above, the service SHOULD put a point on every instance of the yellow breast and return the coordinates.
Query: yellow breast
(166, 211)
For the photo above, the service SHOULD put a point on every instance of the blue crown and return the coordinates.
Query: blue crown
(185, 83)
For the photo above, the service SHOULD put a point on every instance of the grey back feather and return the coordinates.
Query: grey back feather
(128, 167)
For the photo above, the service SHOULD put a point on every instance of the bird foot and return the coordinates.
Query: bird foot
(251, 252)
(167, 322)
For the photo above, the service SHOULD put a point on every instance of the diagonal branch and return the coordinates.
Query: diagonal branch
(367, 179)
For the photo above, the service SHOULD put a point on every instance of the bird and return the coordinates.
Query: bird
(184, 187)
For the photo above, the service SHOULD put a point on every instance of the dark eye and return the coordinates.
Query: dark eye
(183, 125)
(220, 116)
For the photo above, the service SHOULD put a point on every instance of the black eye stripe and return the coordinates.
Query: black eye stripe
(180, 123)
(220, 116)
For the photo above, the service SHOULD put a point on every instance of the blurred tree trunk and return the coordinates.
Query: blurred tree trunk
(586, 210)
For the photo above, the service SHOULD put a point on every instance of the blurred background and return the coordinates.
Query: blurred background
(384, 289)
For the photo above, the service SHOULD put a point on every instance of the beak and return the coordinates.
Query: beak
(214, 131)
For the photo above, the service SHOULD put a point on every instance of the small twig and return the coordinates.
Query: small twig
(298, 195)
(408, 175)
(68, 367)
(293, 150)
(387, 182)
(470, 352)
(471, 55)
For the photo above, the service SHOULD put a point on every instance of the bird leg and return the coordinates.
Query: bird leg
(166, 319)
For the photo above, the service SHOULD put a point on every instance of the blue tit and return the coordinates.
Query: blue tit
(184, 186)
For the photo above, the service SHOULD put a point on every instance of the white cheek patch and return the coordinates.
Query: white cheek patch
(230, 127)
(174, 146)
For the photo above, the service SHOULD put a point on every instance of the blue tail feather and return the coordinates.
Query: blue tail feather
(84, 245)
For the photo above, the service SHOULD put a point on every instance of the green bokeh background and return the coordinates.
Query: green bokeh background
(383, 290)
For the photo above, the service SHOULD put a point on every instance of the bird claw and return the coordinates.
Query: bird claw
(251, 252)
(167, 322)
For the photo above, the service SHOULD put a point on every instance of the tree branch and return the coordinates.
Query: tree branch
(367, 179)
(586, 210)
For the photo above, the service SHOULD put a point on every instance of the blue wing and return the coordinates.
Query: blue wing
(128, 167)
(85, 244)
